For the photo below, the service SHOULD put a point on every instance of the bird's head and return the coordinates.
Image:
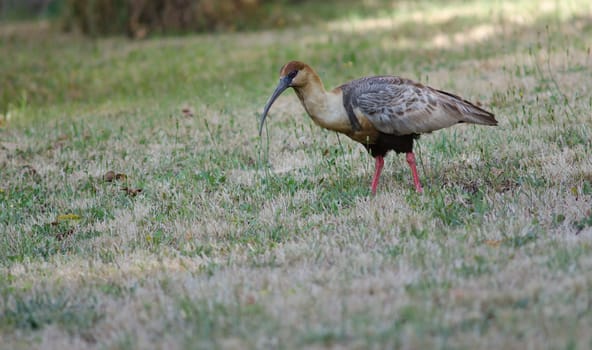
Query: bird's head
(293, 74)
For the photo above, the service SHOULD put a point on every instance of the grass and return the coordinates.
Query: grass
(212, 238)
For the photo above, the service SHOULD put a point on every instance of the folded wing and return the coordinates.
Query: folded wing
(400, 106)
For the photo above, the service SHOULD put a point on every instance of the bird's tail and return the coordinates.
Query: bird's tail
(470, 113)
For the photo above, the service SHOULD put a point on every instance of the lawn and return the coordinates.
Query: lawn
(139, 208)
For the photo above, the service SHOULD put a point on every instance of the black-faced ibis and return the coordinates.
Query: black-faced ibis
(383, 113)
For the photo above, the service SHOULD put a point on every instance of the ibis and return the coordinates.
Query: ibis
(383, 113)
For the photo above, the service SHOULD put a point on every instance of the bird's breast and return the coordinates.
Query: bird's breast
(327, 110)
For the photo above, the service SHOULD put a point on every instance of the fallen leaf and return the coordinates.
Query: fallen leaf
(109, 176)
(29, 170)
(132, 192)
(63, 217)
(574, 191)
(493, 242)
(457, 294)
(187, 111)
(61, 235)
(250, 300)
(60, 142)
(497, 171)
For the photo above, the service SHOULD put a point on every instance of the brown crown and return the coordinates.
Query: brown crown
(292, 66)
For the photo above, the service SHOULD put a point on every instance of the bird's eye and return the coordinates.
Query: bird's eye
(292, 74)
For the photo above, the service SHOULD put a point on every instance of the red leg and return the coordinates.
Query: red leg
(411, 162)
(377, 171)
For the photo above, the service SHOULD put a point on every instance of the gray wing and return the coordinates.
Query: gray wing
(400, 106)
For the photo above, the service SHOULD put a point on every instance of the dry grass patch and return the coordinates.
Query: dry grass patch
(238, 242)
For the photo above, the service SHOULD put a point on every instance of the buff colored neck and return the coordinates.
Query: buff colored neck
(324, 107)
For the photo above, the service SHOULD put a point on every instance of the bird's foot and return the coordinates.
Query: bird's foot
(418, 188)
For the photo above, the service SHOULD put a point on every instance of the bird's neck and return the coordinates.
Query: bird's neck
(324, 107)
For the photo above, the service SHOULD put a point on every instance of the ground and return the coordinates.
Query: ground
(140, 209)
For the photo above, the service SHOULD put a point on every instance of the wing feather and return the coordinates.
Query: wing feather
(401, 106)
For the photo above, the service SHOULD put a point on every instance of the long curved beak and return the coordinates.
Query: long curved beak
(282, 86)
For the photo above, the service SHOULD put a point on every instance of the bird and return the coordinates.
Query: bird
(384, 113)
